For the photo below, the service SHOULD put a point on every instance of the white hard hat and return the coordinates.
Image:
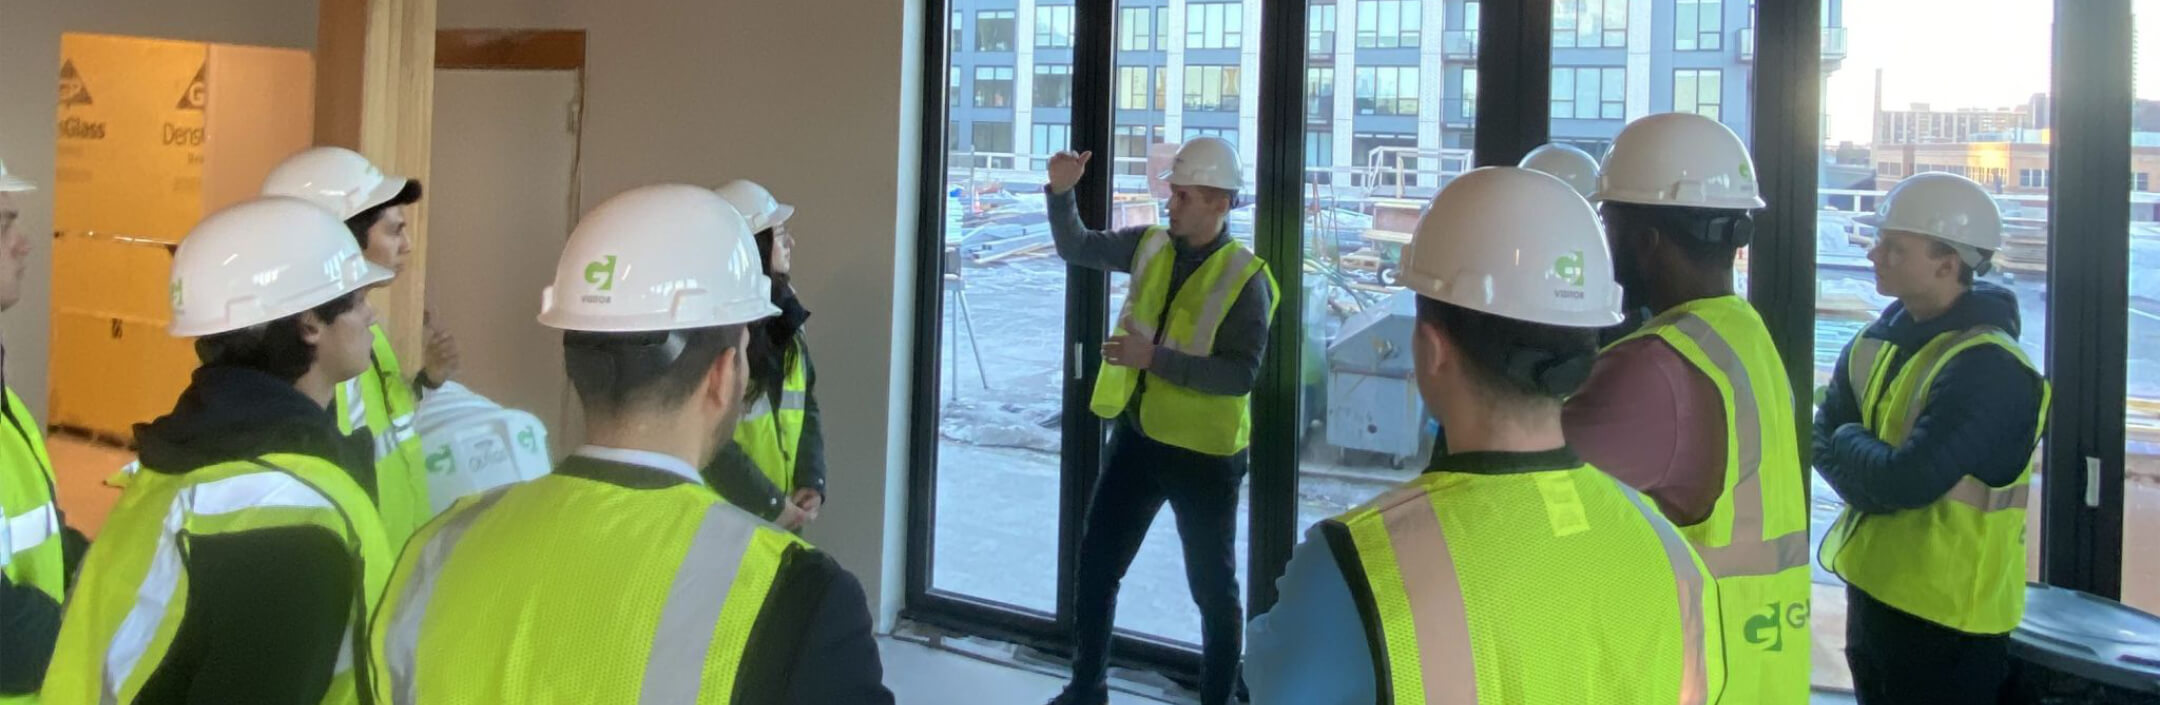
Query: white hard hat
(1946, 207)
(756, 204)
(1572, 165)
(1206, 161)
(262, 260)
(1516, 243)
(658, 258)
(1679, 159)
(338, 179)
(10, 183)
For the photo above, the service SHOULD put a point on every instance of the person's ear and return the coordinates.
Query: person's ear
(1432, 351)
(313, 328)
(719, 389)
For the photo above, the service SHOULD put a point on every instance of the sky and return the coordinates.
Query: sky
(1956, 54)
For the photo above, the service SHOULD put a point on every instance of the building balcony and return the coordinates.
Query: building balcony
(1833, 45)
(1460, 45)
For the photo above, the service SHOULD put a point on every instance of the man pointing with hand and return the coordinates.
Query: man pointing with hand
(1176, 377)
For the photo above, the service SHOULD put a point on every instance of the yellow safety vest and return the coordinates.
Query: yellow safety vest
(30, 547)
(1959, 562)
(1206, 423)
(770, 436)
(381, 401)
(569, 590)
(1755, 541)
(1553, 586)
(133, 592)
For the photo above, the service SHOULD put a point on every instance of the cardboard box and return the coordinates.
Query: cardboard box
(153, 136)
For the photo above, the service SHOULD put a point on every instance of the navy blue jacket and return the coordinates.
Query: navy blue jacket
(1980, 420)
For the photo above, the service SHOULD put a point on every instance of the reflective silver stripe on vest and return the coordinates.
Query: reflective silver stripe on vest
(1694, 673)
(401, 645)
(675, 668)
(1151, 244)
(1441, 620)
(790, 400)
(355, 405)
(1748, 554)
(256, 490)
(30, 530)
(1971, 492)
(1860, 365)
(1218, 300)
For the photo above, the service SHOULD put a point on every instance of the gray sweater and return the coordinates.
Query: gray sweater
(1235, 364)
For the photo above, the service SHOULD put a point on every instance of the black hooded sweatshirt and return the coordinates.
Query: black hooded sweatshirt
(1981, 417)
(268, 609)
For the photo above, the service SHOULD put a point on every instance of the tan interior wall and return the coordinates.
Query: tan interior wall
(823, 113)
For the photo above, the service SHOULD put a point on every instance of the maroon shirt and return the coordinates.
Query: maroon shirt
(1650, 419)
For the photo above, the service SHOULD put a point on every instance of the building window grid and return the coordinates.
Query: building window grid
(1053, 86)
(1389, 24)
(1699, 25)
(1047, 139)
(1468, 111)
(1699, 91)
(1387, 90)
(1320, 29)
(1226, 133)
(1590, 24)
(1211, 88)
(1054, 27)
(1132, 88)
(1133, 141)
(993, 87)
(1589, 93)
(1319, 94)
(994, 30)
(1214, 25)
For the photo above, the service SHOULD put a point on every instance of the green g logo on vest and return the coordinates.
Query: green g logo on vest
(1766, 629)
(601, 272)
(1569, 268)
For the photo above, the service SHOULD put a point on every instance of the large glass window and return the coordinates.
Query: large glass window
(1053, 26)
(1222, 132)
(1053, 86)
(1467, 111)
(1389, 24)
(1590, 24)
(1908, 97)
(2141, 431)
(1700, 25)
(1214, 25)
(1000, 350)
(994, 30)
(1699, 91)
(1589, 93)
(1387, 90)
(1211, 88)
(993, 86)
(1361, 426)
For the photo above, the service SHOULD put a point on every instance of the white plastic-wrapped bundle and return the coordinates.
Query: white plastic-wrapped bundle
(473, 444)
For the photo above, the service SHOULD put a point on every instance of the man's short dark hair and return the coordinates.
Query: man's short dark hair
(1943, 249)
(364, 221)
(275, 348)
(615, 372)
(1708, 237)
(1514, 359)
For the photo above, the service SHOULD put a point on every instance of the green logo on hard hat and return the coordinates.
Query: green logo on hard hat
(525, 439)
(601, 272)
(176, 296)
(1747, 171)
(441, 463)
(1569, 268)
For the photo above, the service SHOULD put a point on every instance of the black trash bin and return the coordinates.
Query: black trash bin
(2079, 648)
